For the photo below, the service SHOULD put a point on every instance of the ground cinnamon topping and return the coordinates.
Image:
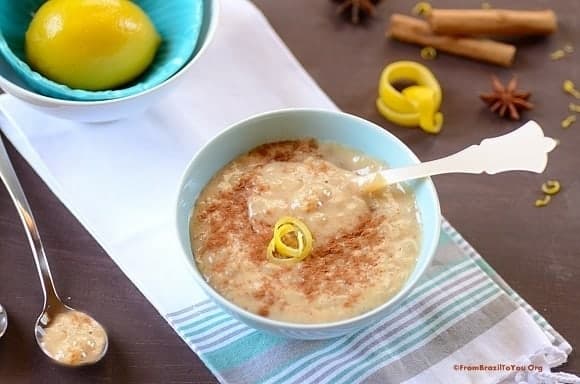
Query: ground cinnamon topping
(285, 150)
(227, 214)
(266, 295)
(344, 264)
(329, 268)
(337, 264)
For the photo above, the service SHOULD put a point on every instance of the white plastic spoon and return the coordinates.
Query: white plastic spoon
(525, 149)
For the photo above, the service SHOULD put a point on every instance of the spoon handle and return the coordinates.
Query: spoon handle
(15, 191)
(525, 149)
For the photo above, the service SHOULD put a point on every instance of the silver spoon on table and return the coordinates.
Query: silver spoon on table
(3, 321)
(58, 326)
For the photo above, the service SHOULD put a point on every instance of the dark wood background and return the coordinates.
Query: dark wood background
(537, 251)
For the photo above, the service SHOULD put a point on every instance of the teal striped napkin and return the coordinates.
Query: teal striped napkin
(462, 323)
(459, 307)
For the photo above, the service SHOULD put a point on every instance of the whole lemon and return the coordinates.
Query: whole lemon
(91, 44)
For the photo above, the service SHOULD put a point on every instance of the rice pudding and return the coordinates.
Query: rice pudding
(74, 338)
(365, 244)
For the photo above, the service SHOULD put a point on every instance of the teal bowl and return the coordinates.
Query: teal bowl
(293, 124)
(96, 111)
(177, 21)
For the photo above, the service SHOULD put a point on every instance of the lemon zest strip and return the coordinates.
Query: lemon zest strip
(280, 252)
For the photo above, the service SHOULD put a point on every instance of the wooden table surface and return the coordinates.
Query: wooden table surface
(537, 251)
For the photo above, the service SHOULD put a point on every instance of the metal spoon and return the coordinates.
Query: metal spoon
(3, 321)
(53, 308)
(525, 149)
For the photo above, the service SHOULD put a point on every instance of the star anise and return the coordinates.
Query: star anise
(356, 7)
(507, 99)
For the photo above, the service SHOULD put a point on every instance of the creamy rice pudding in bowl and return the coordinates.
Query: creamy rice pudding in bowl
(279, 235)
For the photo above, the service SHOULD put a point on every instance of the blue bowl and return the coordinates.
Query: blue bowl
(113, 109)
(177, 21)
(293, 124)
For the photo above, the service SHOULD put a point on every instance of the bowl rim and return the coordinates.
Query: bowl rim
(278, 324)
(212, 28)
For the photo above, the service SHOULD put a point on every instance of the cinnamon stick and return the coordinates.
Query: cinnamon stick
(415, 31)
(498, 22)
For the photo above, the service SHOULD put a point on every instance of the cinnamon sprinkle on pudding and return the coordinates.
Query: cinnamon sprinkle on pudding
(365, 245)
